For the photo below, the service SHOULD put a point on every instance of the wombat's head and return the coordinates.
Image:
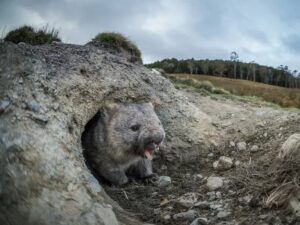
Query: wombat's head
(133, 129)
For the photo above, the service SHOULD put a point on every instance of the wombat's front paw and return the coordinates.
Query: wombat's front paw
(151, 179)
(117, 178)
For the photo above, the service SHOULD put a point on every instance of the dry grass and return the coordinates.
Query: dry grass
(285, 97)
(273, 184)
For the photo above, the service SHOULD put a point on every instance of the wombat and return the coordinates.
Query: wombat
(121, 141)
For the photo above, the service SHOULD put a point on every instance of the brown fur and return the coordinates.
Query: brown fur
(116, 139)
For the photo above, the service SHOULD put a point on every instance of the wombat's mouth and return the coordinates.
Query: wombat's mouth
(150, 149)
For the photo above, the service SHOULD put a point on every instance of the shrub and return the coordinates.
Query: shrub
(31, 36)
(117, 41)
(206, 85)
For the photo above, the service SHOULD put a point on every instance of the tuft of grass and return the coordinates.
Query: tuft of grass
(206, 85)
(118, 41)
(31, 36)
(221, 91)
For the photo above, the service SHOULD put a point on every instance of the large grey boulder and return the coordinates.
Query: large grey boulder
(47, 95)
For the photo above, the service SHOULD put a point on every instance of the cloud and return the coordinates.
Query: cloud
(263, 31)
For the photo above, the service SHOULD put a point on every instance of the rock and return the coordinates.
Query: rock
(237, 163)
(215, 206)
(231, 144)
(212, 195)
(202, 205)
(291, 148)
(223, 214)
(245, 199)
(214, 183)
(198, 177)
(187, 200)
(224, 163)
(241, 146)
(40, 118)
(4, 104)
(263, 216)
(33, 106)
(254, 148)
(166, 217)
(164, 181)
(218, 194)
(210, 155)
(189, 215)
(200, 221)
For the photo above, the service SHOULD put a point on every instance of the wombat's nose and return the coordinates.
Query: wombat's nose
(154, 141)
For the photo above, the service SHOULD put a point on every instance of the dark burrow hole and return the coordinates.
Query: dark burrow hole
(89, 126)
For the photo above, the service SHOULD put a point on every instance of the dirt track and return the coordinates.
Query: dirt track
(234, 122)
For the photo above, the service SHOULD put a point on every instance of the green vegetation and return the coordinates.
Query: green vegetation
(117, 41)
(31, 36)
(246, 90)
(205, 87)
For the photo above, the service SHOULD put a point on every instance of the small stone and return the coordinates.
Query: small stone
(254, 148)
(33, 106)
(217, 207)
(231, 144)
(187, 200)
(188, 215)
(266, 134)
(263, 217)
(218, 194)
(199, 221)
(156, 211)
(223, 214)
(210, 155)
(4, 104)
(167, 217)
(224, 163)
(55, 106)
(164, 181)
(198, 177)
(202, 205)
(237, 163)
(41, 118)
(214, 183)
(242, 146)
(245, 199)
(212, 195)
(214, 143)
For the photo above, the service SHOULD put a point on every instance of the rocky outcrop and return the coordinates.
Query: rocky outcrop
(47, 95)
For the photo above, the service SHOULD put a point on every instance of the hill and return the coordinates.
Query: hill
(285, 97)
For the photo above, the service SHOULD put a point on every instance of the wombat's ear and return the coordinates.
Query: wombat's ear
(109, 109)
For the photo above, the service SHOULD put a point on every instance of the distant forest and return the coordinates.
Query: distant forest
(280, 76)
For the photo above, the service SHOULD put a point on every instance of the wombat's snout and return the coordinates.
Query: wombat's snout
(151, 144)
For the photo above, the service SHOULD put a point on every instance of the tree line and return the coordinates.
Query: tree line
(233, 68)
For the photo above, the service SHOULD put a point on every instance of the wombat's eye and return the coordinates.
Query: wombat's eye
(135, 127)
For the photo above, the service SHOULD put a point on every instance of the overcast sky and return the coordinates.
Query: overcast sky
(266, 31)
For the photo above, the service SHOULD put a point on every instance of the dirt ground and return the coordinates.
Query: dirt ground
(235, 121)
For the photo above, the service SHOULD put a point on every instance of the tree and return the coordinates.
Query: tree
(253, 67)
(234, 57)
